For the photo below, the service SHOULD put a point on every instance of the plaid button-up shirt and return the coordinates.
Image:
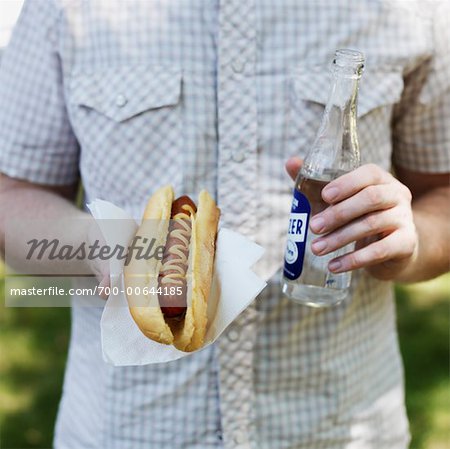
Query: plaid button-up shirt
(135, 94)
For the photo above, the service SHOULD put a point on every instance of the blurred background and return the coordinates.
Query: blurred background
(33, 347)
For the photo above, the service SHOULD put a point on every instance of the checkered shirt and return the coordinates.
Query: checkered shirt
(217, 94)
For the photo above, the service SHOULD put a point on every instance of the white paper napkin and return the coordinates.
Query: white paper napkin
(234, 287)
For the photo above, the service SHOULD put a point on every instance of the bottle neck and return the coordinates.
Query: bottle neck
(344, 92)
(336, 149)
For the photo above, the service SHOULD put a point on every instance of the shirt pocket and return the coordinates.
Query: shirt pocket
(379, 91)
(128, 122)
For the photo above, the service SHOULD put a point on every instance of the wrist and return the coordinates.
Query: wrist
(426, 261)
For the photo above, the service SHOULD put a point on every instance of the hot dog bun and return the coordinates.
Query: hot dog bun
(140, 273)
(185, 333)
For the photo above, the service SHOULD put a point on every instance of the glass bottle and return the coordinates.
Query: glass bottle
(335, 151)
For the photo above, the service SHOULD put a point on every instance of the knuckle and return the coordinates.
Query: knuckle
(409, 245)
(354, 260)
(376, 172)
(379, 252)
(373, 195)
(339, 214)
(406, 193)
(373, 167)
(404, 219)
(409, 251)
(388, 176)
(371, 222)
(334, 240)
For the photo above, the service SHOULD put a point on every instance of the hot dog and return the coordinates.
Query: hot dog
(173, 309)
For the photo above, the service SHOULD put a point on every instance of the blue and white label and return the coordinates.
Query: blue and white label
(297, 233)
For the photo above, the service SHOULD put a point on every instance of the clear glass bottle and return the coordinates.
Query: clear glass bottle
(335, 151)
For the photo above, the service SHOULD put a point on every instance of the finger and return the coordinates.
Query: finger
(396, 246)
(347, 185)
(370, 199)
(293, 165)
(368, 225)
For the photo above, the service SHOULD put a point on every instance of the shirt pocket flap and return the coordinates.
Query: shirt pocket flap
(377, 88)
(123, 92)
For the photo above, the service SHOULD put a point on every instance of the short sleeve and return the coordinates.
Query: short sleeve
(421, 125)
(36, 140)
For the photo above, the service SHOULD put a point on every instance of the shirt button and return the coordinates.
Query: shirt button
(233, 335)
(240, 438)
(238, 156)
(238, 65)
(121, 100)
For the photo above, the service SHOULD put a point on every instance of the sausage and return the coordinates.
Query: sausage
(175, 259)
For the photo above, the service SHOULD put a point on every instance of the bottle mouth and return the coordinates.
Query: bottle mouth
(348, 60)
(349, 55)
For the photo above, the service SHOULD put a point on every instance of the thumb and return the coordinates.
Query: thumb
(293, 165)
(103, 285)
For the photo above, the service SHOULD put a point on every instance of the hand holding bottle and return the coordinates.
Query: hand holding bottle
(372, 208)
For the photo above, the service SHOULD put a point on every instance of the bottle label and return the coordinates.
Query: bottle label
(297, 233)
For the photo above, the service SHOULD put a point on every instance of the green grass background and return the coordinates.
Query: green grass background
(33, 345)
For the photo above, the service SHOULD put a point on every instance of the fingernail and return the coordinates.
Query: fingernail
(330, 193)
(335, 265)
(319, 245)
(317, 223)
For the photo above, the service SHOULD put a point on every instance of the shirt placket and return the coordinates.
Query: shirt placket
(238, 198)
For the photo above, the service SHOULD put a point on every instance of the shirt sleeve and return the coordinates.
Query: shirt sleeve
(36, 140)
(421, 126)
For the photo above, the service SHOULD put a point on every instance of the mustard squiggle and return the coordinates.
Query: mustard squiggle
(179, 263)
